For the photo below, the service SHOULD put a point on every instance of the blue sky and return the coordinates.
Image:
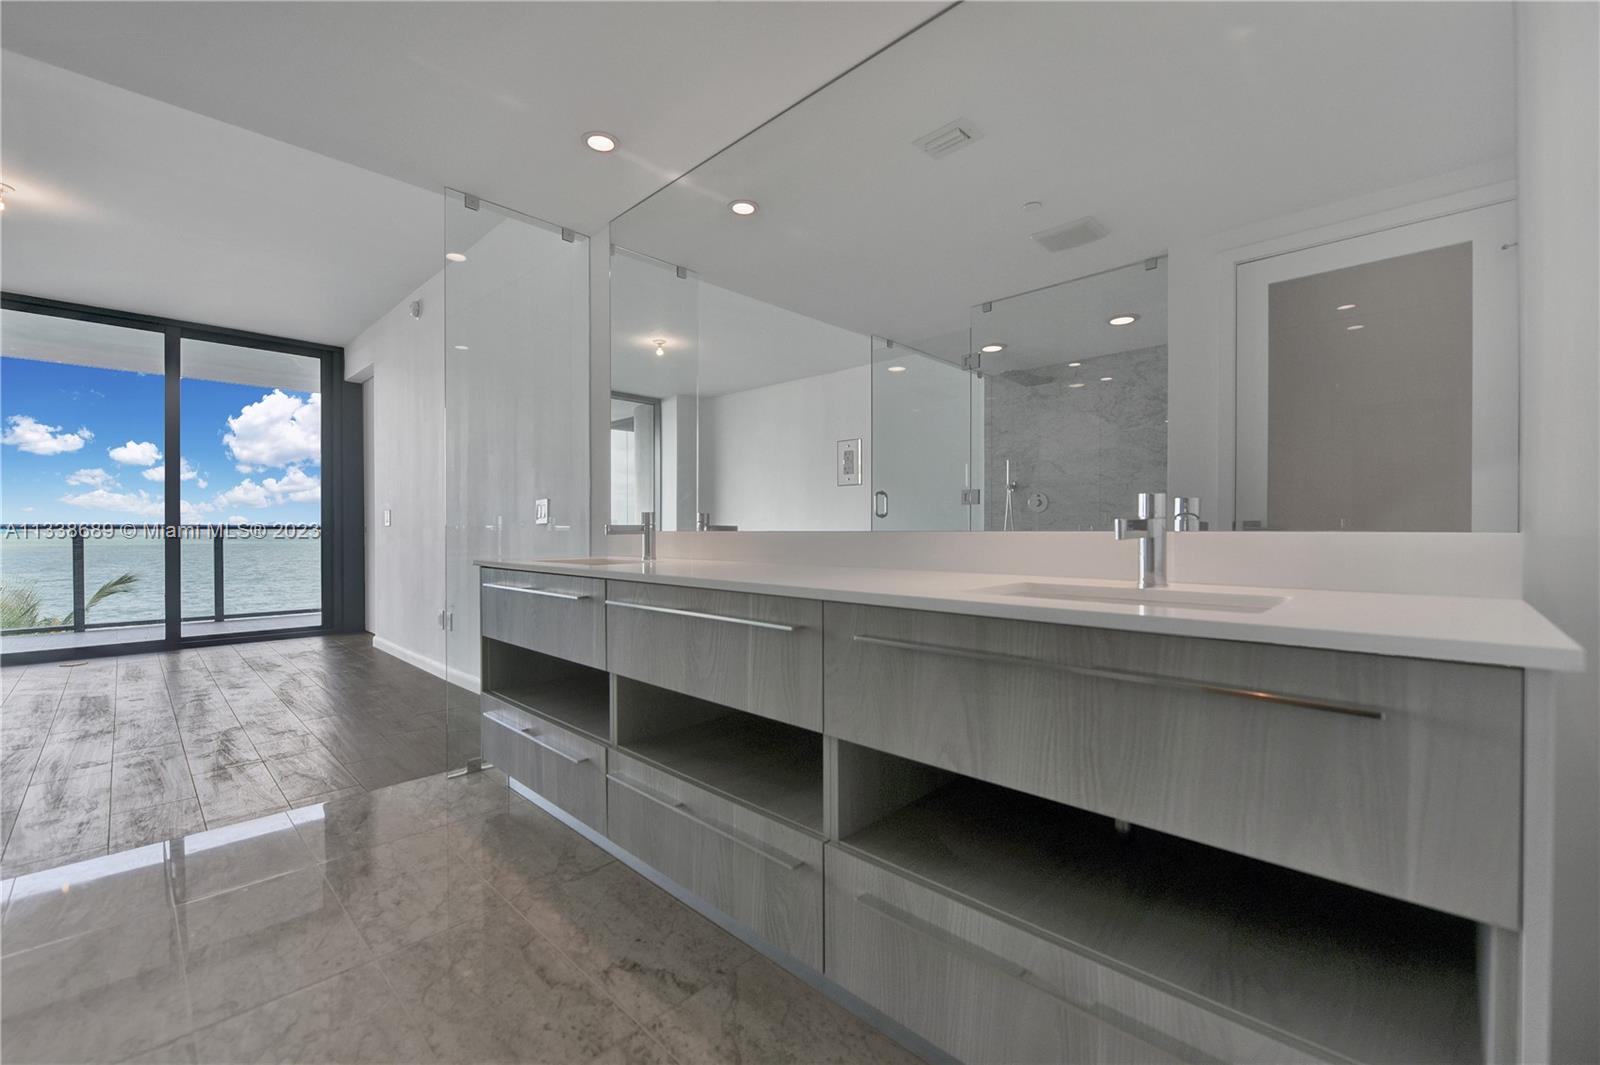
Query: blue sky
(84, 444)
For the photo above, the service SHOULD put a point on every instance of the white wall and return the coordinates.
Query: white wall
(767, 454)
(1558, 160)
(398, 358)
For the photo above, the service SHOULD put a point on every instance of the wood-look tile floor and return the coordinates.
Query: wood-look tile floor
(436, 920)
(113, 753)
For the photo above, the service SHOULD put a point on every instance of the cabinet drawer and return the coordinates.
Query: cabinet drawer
(1396, 775)
(759, 653)
(554, 763)
(555, 615)
(974, 986)
(763, 874)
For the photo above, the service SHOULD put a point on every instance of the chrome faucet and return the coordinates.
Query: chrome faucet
(1150, 529)
(702, 523)
(645, 528)
(1186, 515)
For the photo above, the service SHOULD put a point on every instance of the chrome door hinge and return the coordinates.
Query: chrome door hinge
(971, 497)
(447, 620)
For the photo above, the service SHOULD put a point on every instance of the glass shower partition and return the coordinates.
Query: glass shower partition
(516, 433)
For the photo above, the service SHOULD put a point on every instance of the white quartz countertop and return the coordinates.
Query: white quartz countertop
(1489, 631)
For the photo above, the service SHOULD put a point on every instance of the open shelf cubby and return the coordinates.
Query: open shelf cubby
(770, 766)
(569, 694)
(1358, 974)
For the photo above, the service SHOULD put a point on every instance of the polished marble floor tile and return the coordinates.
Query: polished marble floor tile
(765, 1014)
(104, 995)
(491, 990)
(236, 855)
(405, 891)
(73, 899)
(248, 946)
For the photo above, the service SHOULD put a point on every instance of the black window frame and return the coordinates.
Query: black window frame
(343, 536)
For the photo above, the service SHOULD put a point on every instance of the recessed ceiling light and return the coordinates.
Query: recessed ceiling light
(4, 188)
(990, 349)
(461, 347)
(1352, 328)
(896, 369)
(455, 256)
(661, 347)
(1122, 319)
(1076, 384)
(600, 142)
(743, 207)
(1345, 307)
(1074, 364)
(1105, 378)
(1032, 205)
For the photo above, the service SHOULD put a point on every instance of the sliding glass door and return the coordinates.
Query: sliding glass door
(250, 481)
(163, 483)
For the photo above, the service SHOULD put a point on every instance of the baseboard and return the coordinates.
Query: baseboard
(427, 664)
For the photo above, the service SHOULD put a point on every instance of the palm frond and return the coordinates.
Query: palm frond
(115, 586)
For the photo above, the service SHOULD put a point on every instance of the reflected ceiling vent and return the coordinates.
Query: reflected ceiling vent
(946, 139)
(1072, 235)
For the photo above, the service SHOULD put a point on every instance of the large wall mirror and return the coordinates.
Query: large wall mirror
(1033, 259)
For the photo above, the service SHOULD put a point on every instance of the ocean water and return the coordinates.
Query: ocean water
(259, 573)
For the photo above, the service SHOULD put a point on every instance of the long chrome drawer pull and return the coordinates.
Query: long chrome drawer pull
(760, 850)
(773, 625)
(572, 596)
(540, 741)
(1155, 680)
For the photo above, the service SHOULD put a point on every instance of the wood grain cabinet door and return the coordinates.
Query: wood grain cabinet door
(552, 762)
(758, 653)
(764, 874)
(1396, 775)
(555, 615)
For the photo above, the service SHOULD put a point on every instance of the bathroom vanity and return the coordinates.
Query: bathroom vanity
(1045, 820)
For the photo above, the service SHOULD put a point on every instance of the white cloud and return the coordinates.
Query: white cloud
(135, 454)
(244, 468)
(295, 486)
(28, 434)
(201, 483)
(186, 472)
(277, 430)
(93, 478)
(238, 519)
(141, 503)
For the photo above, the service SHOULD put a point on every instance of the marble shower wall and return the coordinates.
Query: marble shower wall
(1090, 450)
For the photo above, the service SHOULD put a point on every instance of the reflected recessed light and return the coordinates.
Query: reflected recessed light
(1076, 384)
(1074, 364)
(455, 256)
(990, 349)
(1122, 319)
(743, 207)
(600, 142)
(1105, 378)
(4, 188)
(896, 369)
(661, 347)
(1032, 205)
(461, 347)
(1354, 327)
(1345, 307)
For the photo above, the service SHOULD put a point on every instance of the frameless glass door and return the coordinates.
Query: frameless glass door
(516, 381)
(81, 558)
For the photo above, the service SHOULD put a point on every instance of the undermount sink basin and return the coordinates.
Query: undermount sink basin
(594, 561)
(1174, 597)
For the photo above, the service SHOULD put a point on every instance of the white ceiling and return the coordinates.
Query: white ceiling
(139, 208)
(1165, 121)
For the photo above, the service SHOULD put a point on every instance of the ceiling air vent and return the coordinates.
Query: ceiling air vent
(1071, 235)
(946, 139)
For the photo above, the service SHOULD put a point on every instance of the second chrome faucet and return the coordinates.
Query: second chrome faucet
(1150, 529)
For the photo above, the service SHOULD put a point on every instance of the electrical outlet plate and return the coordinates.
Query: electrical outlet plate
(541, 512)
(847, 469)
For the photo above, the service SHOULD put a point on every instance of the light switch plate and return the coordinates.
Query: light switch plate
(541, 512)
(848, 467)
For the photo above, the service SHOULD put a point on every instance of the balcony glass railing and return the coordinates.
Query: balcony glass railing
(76, 578)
